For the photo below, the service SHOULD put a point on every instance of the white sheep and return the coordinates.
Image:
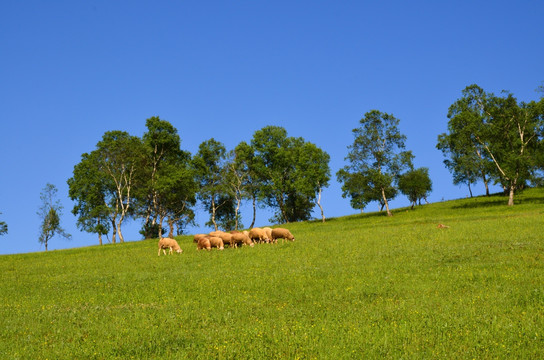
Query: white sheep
(167, 243)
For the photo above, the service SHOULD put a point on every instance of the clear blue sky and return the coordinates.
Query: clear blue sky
(72, 70)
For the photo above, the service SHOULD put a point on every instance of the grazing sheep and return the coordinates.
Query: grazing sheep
(281, 233)
(268, 232)
(241, 239)
(198, 236)
(167, 243)
(258, 234)
(226, 237)
(204, 243)
(216, 242)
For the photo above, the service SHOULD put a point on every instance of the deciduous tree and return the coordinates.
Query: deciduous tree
(416, 184)
(376, 158)
(3, 227)
(92, 192)
(507, 132)
(210, 172)
(290, 171)
(50, 213)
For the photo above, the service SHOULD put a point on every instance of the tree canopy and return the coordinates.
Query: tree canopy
(494, 135)
(376, 159)
(291, 172)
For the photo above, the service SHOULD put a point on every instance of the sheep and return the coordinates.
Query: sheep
(281, 233)
(268, 232)
(216, 242)
(167, 243)
(226, 237)
(198, 236)
(204, 243)
(242, 238)
(258, 234)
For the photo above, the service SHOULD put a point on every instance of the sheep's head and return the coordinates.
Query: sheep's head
(179, 251)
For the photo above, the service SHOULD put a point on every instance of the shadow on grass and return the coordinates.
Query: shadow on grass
(497, 200)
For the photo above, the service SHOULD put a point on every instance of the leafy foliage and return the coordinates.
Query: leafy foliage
(416, 184)
(50, 213)
(493, 135)
(290, 171)
(376, 158)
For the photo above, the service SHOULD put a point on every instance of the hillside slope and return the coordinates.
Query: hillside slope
(362, 286)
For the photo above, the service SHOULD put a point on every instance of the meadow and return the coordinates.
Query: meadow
(358, 287)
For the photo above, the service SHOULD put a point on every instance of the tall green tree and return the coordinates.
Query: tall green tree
(466, 158)
(210, 172)
(167, 190)
(290, 181)
(246, 180)
(92, 192)
(50, 213)
(506, 131)
(416, 184)
(176, 191)
(377, 155)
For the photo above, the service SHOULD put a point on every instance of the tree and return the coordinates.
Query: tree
(167, 189)
(120, 157)
(176, 191)
(209, 165)
(291, 172)
(376, 158)
(3, 228)
(505, 131)
(312, 172)
(245, 181)
(50, 213)
(416, 185)
(467, 161)
(91, 189)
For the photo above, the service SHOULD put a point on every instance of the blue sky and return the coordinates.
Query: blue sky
(72, 70)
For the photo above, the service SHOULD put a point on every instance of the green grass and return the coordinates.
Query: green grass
(363, 286)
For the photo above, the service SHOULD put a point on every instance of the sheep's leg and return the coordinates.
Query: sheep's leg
(159, 251)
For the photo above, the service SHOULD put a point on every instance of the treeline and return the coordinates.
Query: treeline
(490, 138)
(152, 179)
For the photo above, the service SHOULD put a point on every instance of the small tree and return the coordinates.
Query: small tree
(376, 160)
(3, 228)
(416, 185)
(50, 213)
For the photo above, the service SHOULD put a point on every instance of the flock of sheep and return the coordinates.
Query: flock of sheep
(218, 239)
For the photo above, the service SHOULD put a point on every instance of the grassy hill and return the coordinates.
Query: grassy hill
(363, 286)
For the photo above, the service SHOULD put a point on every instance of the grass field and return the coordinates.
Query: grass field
(357, 287)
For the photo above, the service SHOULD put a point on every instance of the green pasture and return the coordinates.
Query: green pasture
(357, 287)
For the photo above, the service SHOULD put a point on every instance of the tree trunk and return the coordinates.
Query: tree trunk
(121, 238)
(213, 214)
(254, 213)
(319, 204)
(238, 201)
(114, 233)
(385, 203)
(100, 238)
(470, 190)
(171, 226)
(511, 196)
